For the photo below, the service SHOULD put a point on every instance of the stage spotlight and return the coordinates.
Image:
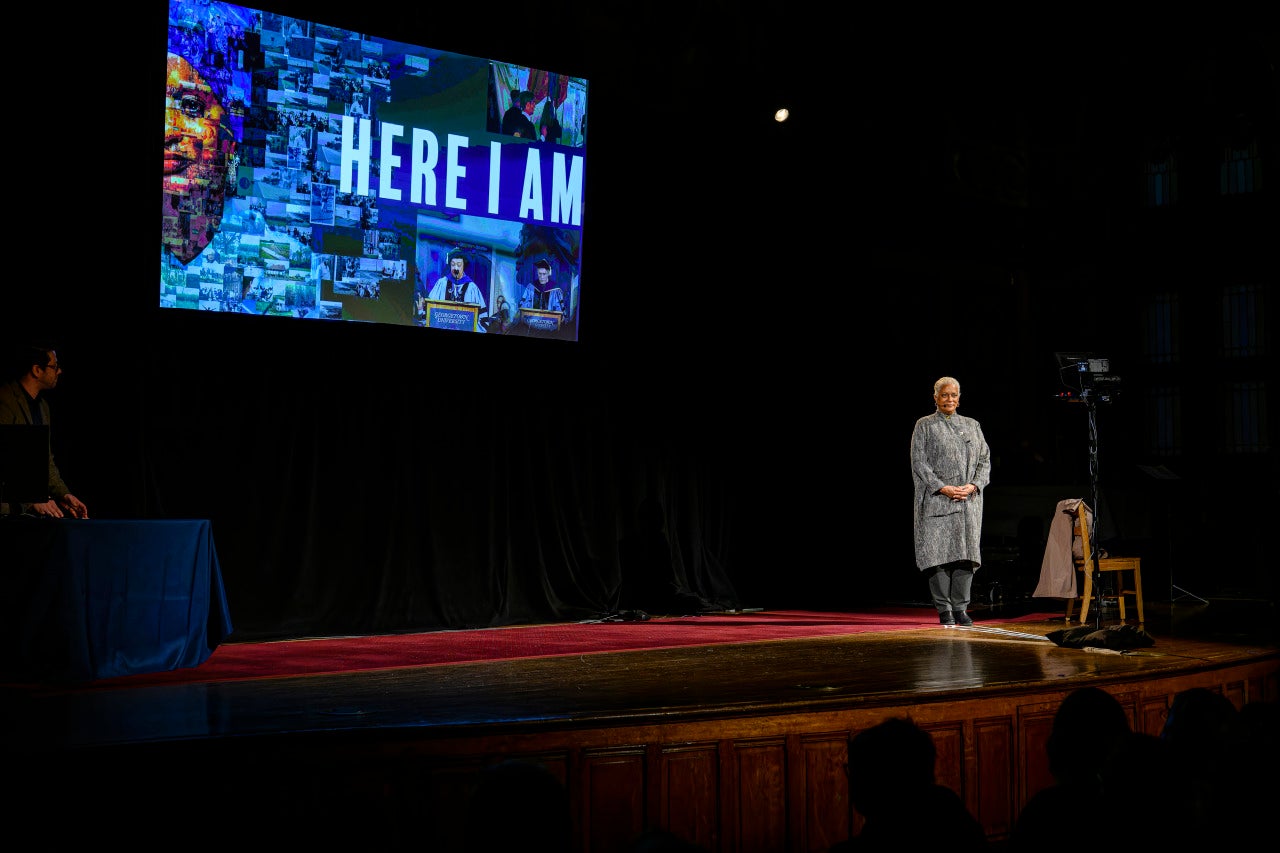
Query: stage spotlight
(782, 115)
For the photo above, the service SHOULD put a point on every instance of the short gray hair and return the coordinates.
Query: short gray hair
(944, 382)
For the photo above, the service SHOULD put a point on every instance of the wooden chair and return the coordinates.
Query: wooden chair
(1084, 565)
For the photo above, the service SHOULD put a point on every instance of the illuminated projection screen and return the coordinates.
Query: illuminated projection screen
(318, 173)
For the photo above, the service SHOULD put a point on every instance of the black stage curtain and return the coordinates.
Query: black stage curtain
(380, 480)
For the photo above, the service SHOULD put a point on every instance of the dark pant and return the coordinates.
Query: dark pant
(949, 585)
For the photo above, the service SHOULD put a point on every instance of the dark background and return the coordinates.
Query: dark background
(764, 310)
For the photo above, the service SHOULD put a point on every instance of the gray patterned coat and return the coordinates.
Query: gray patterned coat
(948, 452)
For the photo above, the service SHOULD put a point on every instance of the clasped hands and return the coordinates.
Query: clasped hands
(959, 493)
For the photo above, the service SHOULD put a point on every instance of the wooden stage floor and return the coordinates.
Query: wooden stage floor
(736, 747)
(869, 670)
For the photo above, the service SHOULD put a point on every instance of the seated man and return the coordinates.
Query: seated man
(21, 402)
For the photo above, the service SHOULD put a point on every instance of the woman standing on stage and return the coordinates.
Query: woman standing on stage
(951, 465)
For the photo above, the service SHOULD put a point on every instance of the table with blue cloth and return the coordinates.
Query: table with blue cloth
(88, 599)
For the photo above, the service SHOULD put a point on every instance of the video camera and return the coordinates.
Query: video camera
(1086, 377)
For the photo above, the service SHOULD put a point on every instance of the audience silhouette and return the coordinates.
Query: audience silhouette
(518, 805)
(893, 786)
(1207, 778)
(1138, 799)
(1260, 733)
(1088, 728)
(1207, 741)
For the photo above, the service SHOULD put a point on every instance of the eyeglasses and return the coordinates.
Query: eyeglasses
(55, 366)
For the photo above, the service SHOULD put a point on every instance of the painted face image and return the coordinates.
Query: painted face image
(197, 146)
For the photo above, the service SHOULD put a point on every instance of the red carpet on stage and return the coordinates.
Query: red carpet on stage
(285, 658)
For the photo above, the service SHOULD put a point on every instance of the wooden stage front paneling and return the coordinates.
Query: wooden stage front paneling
(734, 747)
